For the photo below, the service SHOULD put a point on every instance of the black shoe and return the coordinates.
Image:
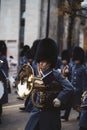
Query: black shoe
(22, 108)
(63, 118)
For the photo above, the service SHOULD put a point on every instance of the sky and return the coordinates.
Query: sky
(84, 4)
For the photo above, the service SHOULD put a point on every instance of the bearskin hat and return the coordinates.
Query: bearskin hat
(24, 50)
(47, 50)
(34, 48)
(3, 48)
(78, 54)
(65, 55)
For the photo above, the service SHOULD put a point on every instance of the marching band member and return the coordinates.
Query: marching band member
(65, 66)
(78, 76)
(77, 79)
(4, 74)
(83, 116)
(48, 118)
(65, 70)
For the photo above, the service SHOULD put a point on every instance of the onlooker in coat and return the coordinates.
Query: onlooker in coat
(48, 118)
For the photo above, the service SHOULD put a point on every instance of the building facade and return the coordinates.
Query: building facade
(9, 25)
(23, 21)
(19, 24)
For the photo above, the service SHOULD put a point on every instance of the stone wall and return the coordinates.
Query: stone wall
(9, 25)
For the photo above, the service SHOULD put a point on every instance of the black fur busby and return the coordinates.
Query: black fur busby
(78, 54)
(24, 50)
(34, 48)
(3, 48)
(65, 55)
(48, 51)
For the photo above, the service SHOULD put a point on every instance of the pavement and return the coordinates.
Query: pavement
(14, 119)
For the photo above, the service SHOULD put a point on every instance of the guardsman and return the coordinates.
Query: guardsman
(3, 75)
(48, 118)
(77, 79)
(83, 116)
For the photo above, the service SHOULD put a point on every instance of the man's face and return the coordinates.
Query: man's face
(43, 65)
(77, 62)
(64, 62)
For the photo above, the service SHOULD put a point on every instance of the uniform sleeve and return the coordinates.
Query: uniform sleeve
(84, 80)
(67, 90)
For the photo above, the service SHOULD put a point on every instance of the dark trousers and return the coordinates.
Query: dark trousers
(28, 104)
(67, 112)
(27, 100)
(37, 127)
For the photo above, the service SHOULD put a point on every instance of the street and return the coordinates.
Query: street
(14, 119)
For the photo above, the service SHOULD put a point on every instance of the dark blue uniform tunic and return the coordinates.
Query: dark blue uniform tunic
(50, 119)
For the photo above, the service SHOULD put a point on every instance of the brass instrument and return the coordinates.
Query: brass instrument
(82, 105)
(46, 87)
(84, 100)
(24, 81)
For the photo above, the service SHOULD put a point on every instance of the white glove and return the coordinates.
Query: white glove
(56, 102)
